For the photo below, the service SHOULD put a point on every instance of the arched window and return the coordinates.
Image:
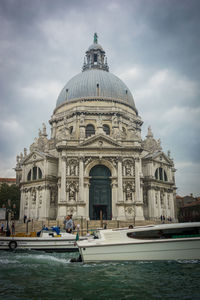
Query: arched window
(34, 174)
(161, 174)
(89, 130)
(165, 176)
(29, 176)
(156, 174)
(106, 129)
(39, 173)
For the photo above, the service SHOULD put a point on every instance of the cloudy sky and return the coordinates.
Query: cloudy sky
(152, 45)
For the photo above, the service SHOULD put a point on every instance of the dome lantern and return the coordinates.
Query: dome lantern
(95, 57)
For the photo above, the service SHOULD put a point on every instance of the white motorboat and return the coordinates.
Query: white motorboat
(46, 240)
(179, 241)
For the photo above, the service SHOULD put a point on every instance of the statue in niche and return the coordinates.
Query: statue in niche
(72, 169)
(128, 170)
(128, 194)
(72, 193)
(33, 196)
(52, 196)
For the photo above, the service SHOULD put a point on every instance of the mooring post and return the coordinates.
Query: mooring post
(82, 226)
(27, 226)
(101, 218)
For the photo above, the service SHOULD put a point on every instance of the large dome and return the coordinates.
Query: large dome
(84, 85)
(95, 82)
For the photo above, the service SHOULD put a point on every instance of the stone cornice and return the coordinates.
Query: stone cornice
(97, 98)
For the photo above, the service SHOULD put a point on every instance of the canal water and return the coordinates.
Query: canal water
(40, 275)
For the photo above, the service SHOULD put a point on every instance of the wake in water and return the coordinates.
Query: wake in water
(33, 258)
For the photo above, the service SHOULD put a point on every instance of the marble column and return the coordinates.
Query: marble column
(81, 179)
(114, 198)
(137, 180)
(151, 203)
(46, 194)
(63, 179)
(86, 197)
(22, 204)
(119, 180)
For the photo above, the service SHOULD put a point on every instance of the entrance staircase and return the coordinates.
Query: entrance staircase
(84, 225)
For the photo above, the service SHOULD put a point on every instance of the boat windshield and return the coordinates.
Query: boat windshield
(170, 233)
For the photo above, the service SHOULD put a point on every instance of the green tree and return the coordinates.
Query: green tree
(10, 198)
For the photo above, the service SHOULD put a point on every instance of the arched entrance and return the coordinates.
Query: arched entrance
(100, 193)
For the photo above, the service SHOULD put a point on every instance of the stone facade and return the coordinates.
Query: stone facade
(95, 130)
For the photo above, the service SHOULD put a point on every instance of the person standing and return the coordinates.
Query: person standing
(2, 227)
(64, 222)
(13, 228)
(69, 224)
(25, 217)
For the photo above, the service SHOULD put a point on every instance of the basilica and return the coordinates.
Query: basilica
(95, 164)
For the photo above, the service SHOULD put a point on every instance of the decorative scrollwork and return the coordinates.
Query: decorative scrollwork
(72, 188)
(128, 188)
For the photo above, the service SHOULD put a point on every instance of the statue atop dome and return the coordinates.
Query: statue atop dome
(95, 38)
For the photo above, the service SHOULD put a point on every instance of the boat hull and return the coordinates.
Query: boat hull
(52, 244)
(182, 249)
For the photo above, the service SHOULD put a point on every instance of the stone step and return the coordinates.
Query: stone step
(85, 226)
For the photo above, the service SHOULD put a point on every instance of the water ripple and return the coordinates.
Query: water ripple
(39, 275)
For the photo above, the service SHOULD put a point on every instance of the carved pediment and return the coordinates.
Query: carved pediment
(159, 157)
(100, 141)
(162, 157)
(34, 157)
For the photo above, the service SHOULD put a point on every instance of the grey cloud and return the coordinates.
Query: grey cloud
(43, 44)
